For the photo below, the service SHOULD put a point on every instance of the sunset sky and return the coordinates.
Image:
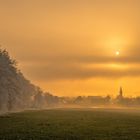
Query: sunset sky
(75, 47)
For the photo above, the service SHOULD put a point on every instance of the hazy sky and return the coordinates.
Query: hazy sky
(68, 47)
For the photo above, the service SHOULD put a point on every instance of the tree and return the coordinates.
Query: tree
(9, 102)
(15, 90)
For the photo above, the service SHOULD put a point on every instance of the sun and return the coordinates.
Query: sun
(117, 53)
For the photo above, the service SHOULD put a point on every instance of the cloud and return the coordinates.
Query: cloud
(57, 40)
(68, 66)
(70, 71)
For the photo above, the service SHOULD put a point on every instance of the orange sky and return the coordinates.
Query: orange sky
(69, 47)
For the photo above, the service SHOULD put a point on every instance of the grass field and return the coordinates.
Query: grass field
(72, 124)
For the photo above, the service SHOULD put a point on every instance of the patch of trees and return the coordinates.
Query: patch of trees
(15, 89)
(16, 92)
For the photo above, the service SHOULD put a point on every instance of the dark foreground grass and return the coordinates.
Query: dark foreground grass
(71, 125)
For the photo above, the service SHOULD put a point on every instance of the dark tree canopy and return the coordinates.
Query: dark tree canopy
(15, 90)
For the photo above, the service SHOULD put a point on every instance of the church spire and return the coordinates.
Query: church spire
(121, 92)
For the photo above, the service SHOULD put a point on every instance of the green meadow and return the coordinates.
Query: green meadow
(71, 124)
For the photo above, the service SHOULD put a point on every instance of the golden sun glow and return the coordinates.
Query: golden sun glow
(117, 53)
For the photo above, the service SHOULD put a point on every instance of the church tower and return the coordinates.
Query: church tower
(120, 97)
(121, 92)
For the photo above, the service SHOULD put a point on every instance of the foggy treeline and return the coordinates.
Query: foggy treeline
(18, 93)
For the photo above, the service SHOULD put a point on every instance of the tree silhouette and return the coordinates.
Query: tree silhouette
(15, 90)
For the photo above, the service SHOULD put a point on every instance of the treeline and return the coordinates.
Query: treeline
(16, 92)
(94, 101)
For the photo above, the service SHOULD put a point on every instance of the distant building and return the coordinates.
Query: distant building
(98, 100)
(120, 96)
(121, 92)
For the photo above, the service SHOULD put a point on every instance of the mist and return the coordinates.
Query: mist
(17, 93)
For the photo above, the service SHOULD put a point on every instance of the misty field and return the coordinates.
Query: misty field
(71, 124)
